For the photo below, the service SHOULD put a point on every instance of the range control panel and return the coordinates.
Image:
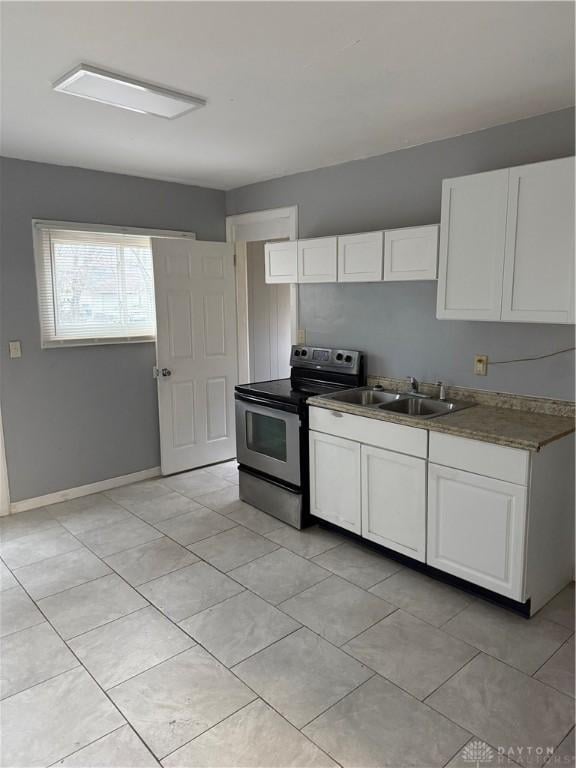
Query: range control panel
(322, 358)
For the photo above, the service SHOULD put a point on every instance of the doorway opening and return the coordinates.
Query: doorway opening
(269, 320)
(267, 314)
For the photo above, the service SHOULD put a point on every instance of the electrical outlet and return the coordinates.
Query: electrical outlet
(481, 365)
(14, 349)
(301, 336)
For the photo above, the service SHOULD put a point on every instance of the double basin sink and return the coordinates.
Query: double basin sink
(404, 403)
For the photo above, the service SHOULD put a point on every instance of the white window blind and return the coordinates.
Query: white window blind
(93, 287)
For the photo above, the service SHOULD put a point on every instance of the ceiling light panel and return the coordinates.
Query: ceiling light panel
(124, 92)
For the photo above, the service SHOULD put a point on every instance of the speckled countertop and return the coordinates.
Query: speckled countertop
(512, 427)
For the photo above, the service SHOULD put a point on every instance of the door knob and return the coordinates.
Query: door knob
(158, 372)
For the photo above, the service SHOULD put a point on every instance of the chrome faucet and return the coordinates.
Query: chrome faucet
(414, 384)
(441, 390)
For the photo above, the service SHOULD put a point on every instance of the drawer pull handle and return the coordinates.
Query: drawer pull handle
(337, 414)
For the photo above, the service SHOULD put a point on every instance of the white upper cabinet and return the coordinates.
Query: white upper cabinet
(411, 253)
(507, 245)
(472, 241)
(281, 261)
(539, 260)
(360, 257)
(318, 260)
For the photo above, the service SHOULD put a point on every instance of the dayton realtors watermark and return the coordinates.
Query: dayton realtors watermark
(478, 753)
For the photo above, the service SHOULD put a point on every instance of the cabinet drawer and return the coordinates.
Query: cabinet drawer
(510, 464)
(382, 434)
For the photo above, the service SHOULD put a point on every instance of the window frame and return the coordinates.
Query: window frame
(38, 227)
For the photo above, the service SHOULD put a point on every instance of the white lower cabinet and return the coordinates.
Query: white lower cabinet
(394, 501)
(335, 480)
(492, 515)
(477, 529)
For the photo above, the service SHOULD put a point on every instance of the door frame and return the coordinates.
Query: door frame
(4, 487)
(242, 228)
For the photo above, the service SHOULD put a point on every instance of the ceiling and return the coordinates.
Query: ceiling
(290, 86)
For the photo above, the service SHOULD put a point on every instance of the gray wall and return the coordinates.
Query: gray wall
(78, 415)
(395, 322)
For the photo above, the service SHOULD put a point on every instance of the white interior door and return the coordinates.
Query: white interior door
(269, 320)
(196, 351)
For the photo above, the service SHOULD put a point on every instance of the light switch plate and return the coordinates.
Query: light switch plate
(15, 349)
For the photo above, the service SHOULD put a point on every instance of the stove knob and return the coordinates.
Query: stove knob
(339, 357)
(348, 359)
(304, 352)
(296, 353)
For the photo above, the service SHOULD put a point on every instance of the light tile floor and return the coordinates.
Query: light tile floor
(170, 623)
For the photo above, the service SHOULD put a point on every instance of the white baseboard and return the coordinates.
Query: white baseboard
(83, 490)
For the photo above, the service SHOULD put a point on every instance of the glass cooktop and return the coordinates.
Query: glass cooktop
(286, 390)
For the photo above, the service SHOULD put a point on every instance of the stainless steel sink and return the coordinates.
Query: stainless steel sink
(424, 407)
(406, 403)
(366, 396)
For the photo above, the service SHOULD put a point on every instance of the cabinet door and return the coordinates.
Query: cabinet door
(281, 261)
(360, 257)
(411, 253)
(335, 480)
(539, 262)
(394, 501)
(476, 529)
(472, 240)
(318, 260)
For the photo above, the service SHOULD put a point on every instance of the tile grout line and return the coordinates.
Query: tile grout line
(74, 586)
(266, 647)
(106, 623)
(23, 629)
(310, 559)
(94, 741)
(43, 559)
(565, 642)
(174, 623)
(87, 671)
(257, 696)
(392, 612)
(101, 688)
(480, 652)
(425, 699)
(244, 706)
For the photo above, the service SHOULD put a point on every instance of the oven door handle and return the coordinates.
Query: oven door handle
(272, 404)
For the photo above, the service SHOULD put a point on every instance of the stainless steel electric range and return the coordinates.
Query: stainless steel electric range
(272, 429)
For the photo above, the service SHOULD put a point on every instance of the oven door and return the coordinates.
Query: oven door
(268, 439)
